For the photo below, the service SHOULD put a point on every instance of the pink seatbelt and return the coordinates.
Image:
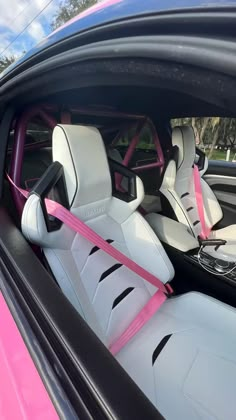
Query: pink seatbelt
(57, 210)
(139, 321)
(200, 204)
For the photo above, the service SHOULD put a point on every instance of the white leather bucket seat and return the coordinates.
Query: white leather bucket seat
(179, 191)
(184, 358)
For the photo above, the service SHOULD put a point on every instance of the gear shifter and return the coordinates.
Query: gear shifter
(222, 266)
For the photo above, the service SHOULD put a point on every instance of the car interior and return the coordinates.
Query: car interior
(130, 178)
(117, 235)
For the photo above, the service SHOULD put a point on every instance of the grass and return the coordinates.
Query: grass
(217, 154)
(221, 155)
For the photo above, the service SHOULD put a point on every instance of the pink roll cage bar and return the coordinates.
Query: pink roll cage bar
(44, 112)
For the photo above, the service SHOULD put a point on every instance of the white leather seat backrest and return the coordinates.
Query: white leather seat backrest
(181, 193)
(184, 139)
(105, 293)
(87, 181)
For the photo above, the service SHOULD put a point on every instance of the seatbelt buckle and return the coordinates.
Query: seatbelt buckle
(169, 291)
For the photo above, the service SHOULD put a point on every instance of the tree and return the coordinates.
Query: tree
(69, 9)
(6, 61)
(216, 126)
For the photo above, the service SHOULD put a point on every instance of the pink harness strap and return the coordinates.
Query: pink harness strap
(61, 213)
(57, 210)
(139, 321)
(200, 204)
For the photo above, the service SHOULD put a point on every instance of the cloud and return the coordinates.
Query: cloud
(36, 31)
(16, 34)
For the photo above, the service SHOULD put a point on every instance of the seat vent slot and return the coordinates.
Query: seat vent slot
(109, 271)
(160, 347)
(123, 295)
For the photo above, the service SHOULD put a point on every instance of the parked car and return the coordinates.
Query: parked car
(118, 253)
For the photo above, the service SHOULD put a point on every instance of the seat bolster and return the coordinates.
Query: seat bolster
(34, 227)
(213, 211)
(120, 210)
(228, 233)
(172, 233)
(183, 137)
(145, 248)
(178, 208)
(169, 176)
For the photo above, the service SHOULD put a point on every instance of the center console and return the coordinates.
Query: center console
(215, 266)
(211, 276)
(196, 269)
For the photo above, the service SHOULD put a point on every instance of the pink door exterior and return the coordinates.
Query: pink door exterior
(22, 392)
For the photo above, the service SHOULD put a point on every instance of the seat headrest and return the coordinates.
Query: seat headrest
(81, 152)
(184, 138)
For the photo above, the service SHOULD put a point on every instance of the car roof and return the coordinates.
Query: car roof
(109, 11)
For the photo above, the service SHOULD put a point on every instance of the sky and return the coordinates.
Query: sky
(18, 35)
(15, 15)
